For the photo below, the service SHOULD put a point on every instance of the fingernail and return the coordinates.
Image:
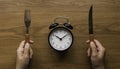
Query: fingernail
(88, 41)
(27, 45)
(31, 41)
(91, 42)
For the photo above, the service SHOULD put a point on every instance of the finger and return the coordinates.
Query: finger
(88, 41)
(20, 48)
(88, 52)
(27, 50)
(93, 48)
(99, 45)
(101, 49)
(31, 52)
(31, 42)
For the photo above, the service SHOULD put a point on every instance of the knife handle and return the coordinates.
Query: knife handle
(91, 38)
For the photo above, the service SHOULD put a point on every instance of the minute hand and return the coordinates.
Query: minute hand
(64, 36)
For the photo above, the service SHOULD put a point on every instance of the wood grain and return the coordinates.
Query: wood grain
(106, 25)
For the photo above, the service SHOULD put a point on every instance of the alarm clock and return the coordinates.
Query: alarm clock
(60, 37)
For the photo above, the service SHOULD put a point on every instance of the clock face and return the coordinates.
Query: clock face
(60, 38)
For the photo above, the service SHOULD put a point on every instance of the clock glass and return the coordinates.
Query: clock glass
(60, 38)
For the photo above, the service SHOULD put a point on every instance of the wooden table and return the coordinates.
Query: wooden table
(106, 24)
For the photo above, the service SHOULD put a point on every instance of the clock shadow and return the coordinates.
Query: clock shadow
(62, 55)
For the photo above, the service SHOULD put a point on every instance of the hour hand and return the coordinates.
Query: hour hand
(58, 37)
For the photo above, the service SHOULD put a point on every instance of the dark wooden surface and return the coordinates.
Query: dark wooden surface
(106, 24)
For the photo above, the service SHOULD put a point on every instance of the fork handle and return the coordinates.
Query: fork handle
(27, 38)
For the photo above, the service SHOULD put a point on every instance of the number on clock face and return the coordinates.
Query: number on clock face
(60, 39)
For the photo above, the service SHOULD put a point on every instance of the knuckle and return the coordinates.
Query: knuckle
(92, 43)
(94, 55)
(32, 53)
(100, 57)
(17, 51)
(21, 58)
(103, 49)
(26, 56)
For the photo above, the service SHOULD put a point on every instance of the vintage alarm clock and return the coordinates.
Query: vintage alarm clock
(60, 37)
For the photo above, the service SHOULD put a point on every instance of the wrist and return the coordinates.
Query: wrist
(19, 67)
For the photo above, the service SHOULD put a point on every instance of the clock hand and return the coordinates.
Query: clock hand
(58, 37)
(64, 36)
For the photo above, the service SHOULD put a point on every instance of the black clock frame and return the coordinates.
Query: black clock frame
(58, 28)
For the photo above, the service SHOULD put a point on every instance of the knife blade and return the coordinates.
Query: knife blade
(90, 21)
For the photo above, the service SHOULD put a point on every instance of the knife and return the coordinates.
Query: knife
(27, 21)
(91, 32)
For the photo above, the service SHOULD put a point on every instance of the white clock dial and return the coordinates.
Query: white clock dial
(60, 39)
